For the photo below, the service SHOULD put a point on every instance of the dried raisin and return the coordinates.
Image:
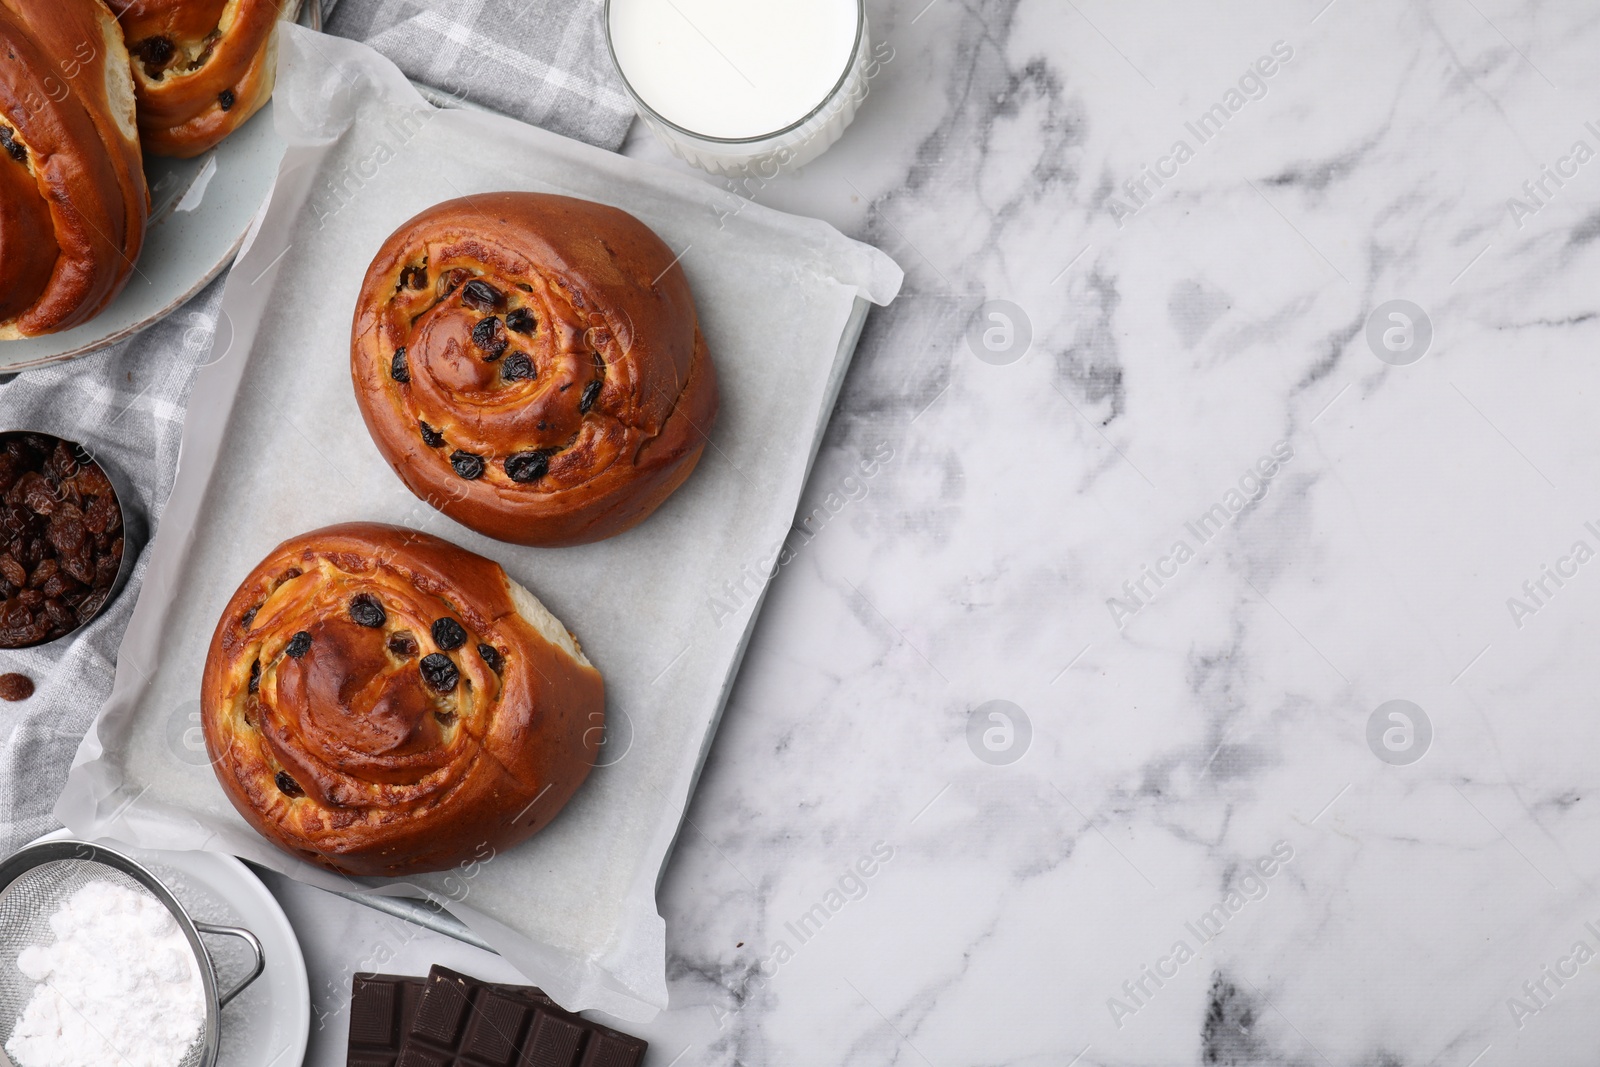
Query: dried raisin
(466, 464)
(586, 401)
(366, 611)
(403, 645)
(430, 437)
(481, 296)
(225, 99)
(517, 368)
(448, 634)
(298, 645)
(398, 368)
(440, 674)
(490, 336)
(492, 657)
(521, 320)
(524, 467)
(287, 785)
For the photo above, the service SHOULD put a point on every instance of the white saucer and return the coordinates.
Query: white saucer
(268, 1024)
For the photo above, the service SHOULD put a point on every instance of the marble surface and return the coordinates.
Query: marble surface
(1198, 533)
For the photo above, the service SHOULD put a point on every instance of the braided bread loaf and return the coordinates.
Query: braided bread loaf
(532, 365)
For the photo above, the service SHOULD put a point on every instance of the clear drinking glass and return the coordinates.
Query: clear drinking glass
(765, 154)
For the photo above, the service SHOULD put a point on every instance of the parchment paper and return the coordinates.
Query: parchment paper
(274, 445)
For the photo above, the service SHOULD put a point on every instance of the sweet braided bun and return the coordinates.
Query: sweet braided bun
(380, 702)
(202, 67)
(73, 200)
(532, 365)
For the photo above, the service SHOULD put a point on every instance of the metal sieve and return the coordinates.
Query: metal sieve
(35, 881)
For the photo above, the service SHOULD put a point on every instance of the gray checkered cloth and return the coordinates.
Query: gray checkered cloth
(543, 61)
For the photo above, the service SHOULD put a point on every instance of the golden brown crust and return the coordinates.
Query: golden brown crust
(344, 748)
(202, 67)
(552, 342)
(74, 204)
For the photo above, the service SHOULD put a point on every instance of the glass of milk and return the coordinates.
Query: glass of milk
(742, 86)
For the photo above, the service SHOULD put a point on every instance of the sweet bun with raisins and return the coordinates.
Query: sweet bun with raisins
(379, 701)
(532, 365)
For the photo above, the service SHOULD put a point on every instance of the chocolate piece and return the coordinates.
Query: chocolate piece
(381, 1009)
(462, 1022)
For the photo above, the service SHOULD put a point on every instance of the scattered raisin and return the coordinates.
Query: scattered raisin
(586, 401)
(440, 674)
(366, 611)
(399, 370)
(15, 687)
(403, 645)
(448, 634)
(225, 99)
(467, 465)
(450, 280)
(481, 296)
(524, 467)
(430, 437)
(414, 277)
(521, 320)
(255, 677)
(492, 657)
(288, 786)
(517, 368)
(298, 645)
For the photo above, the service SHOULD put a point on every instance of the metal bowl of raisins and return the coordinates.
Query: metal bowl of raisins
(69, 535)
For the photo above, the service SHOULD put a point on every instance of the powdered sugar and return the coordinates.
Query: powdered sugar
(120, 985)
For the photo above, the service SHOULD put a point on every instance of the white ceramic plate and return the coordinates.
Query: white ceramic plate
(268, 1024)
(200, 210)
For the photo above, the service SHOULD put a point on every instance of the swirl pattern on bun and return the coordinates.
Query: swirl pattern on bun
(533, 366)
(380, 702)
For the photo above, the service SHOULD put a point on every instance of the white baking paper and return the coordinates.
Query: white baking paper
(274, 445)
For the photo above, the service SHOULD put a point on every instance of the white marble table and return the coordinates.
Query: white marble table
(1198, 533)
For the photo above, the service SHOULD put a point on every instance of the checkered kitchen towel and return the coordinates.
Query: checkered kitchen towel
(543, 61)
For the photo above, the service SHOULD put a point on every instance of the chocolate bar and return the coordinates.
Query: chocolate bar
(462, 1022)
(453, 1020)
(381, 1009)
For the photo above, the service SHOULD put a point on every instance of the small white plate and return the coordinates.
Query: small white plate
(268, 1024)
(200, 211)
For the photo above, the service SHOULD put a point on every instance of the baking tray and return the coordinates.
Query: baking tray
(274, 445)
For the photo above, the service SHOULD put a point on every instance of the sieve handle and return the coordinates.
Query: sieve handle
(254, 945)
